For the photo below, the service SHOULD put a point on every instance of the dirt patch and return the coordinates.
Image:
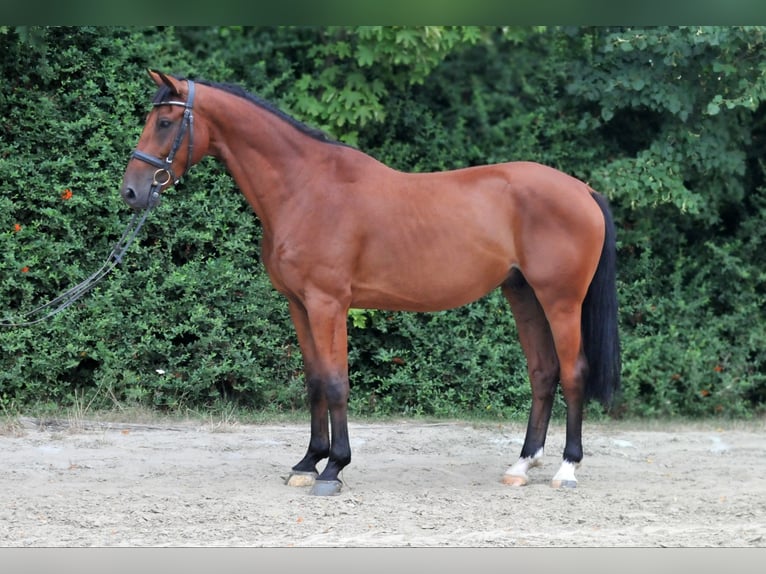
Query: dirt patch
(410, 484)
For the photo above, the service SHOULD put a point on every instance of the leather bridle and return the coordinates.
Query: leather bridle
(164, 173)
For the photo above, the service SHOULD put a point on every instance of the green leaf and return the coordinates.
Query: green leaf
(626, 46)
(365, 55)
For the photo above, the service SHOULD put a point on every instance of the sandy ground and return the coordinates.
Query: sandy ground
(410, 484)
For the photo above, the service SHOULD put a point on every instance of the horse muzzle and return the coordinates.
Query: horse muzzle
(138, 200)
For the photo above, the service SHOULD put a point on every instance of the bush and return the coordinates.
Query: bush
(189, 317)
(668, 122)
(449, 363)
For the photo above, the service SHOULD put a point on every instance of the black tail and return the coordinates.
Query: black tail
(601, 339)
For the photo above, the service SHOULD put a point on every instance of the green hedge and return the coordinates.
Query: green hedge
(668, 122)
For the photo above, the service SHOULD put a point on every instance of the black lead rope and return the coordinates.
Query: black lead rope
(57, 305)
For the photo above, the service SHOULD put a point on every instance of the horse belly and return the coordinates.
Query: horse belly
(430, 282)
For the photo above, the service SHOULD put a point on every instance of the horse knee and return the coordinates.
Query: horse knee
(337, 391)
(314, 389)
(332, 391)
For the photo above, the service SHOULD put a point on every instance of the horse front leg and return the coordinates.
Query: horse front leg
(305, 472)
(321, 324)
(336, 393)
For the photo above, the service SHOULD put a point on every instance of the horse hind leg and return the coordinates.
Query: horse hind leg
(543, 369)
(565, 321)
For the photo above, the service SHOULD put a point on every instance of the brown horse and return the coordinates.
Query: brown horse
(342, 230)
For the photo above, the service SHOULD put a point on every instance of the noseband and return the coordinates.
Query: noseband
(164, 173)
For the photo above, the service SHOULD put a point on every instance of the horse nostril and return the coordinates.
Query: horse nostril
(129, 193)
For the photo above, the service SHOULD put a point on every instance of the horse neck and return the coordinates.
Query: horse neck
(264, 154)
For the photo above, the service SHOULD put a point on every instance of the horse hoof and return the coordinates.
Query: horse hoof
(326, 488)
(564, 483)
(515, 480)
(298, 478)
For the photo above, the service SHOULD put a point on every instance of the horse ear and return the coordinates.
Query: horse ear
(162, 80)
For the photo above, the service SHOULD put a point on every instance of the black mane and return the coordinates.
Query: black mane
(165, 94)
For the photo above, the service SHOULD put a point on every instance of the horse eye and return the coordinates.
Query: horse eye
(164, 123)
